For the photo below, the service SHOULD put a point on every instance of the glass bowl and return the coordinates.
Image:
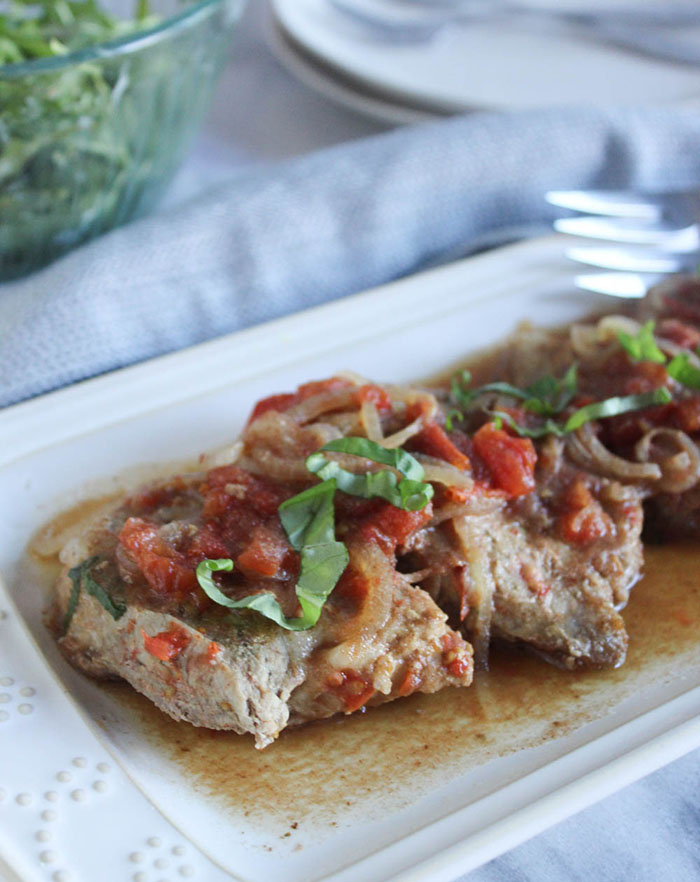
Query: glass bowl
(88, 140)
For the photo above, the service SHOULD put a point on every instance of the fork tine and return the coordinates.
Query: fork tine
(625, 285)
(634, 261)
(663, 235)
(615, 203)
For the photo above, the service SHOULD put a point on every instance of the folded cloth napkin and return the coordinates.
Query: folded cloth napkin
(313, 229)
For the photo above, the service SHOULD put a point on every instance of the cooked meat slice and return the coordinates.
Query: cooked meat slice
(148, 622)
(548, 569)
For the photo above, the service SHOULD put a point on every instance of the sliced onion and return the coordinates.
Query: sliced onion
(398, 439)
(354, 378)
(355, 634)
(481, 587)
(610, 326)
(586, 449)
(347, 422)
(369, 415)
(587, 346)
(441, 472)
(227, 455)
(277, 446)
(675, 454)
(324, 402)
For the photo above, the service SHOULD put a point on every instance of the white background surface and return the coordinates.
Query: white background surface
(651, 830)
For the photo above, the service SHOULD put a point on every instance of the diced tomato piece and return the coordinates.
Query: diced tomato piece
(207, 543)
(264, 554)
(583, 520)
(391, 526)
(456, 658)
(354, 689)
(510, 460)
(352, 587)
(285, 400)
(647, 376)
(376, 395)
(167, 645)
(279, 403)
(261, 495)
(418, 408)
(316, 387)
(434, 441)
(410, 682)
(687, 415)
(166, 570)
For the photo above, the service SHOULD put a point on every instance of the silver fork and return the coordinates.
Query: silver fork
(653, 235)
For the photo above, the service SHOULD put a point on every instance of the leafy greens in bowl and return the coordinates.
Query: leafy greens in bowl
(97, 106)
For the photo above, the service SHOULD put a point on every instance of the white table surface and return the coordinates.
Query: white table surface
(649, 832)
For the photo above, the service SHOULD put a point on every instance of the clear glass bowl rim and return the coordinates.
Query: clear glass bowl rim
(120, 45)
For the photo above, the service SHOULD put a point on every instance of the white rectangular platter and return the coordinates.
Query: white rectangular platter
(87, 794)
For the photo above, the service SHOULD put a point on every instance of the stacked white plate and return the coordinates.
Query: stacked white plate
(497, 64)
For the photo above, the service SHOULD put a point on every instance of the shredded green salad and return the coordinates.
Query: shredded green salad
(74, 139)
(45, 28)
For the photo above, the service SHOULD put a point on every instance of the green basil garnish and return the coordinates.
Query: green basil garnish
(599, 410)
(546, 397)
(549, 427)
(83, 580)
(309, 522)
(685, 373)
(410, 493)
(451, 416)
(642, 346)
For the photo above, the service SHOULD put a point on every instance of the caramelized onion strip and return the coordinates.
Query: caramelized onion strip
(588, 451)
(369, 416)
(481, 587)
(675, 454)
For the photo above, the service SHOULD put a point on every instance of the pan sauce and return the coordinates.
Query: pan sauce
(414, 744)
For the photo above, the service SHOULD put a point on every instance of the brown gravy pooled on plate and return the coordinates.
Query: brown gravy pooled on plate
(312, 772)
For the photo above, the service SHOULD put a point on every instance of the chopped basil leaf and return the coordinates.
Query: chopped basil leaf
(547, 396)
(681, 369)
(459, 388)
(642, 346)
(309, 522)
(82, 579)
(611, 407)
(410, 493)
(599, 410)
(549, 427)
(451, 416)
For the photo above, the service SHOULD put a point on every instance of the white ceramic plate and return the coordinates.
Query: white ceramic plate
(341, 89)
(87, 794)
(485, 66)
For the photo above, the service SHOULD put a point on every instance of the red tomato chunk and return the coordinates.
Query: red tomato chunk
(167, 645)
(510, 460)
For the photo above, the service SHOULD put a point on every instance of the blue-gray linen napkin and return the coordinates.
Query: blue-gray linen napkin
(309, 230)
